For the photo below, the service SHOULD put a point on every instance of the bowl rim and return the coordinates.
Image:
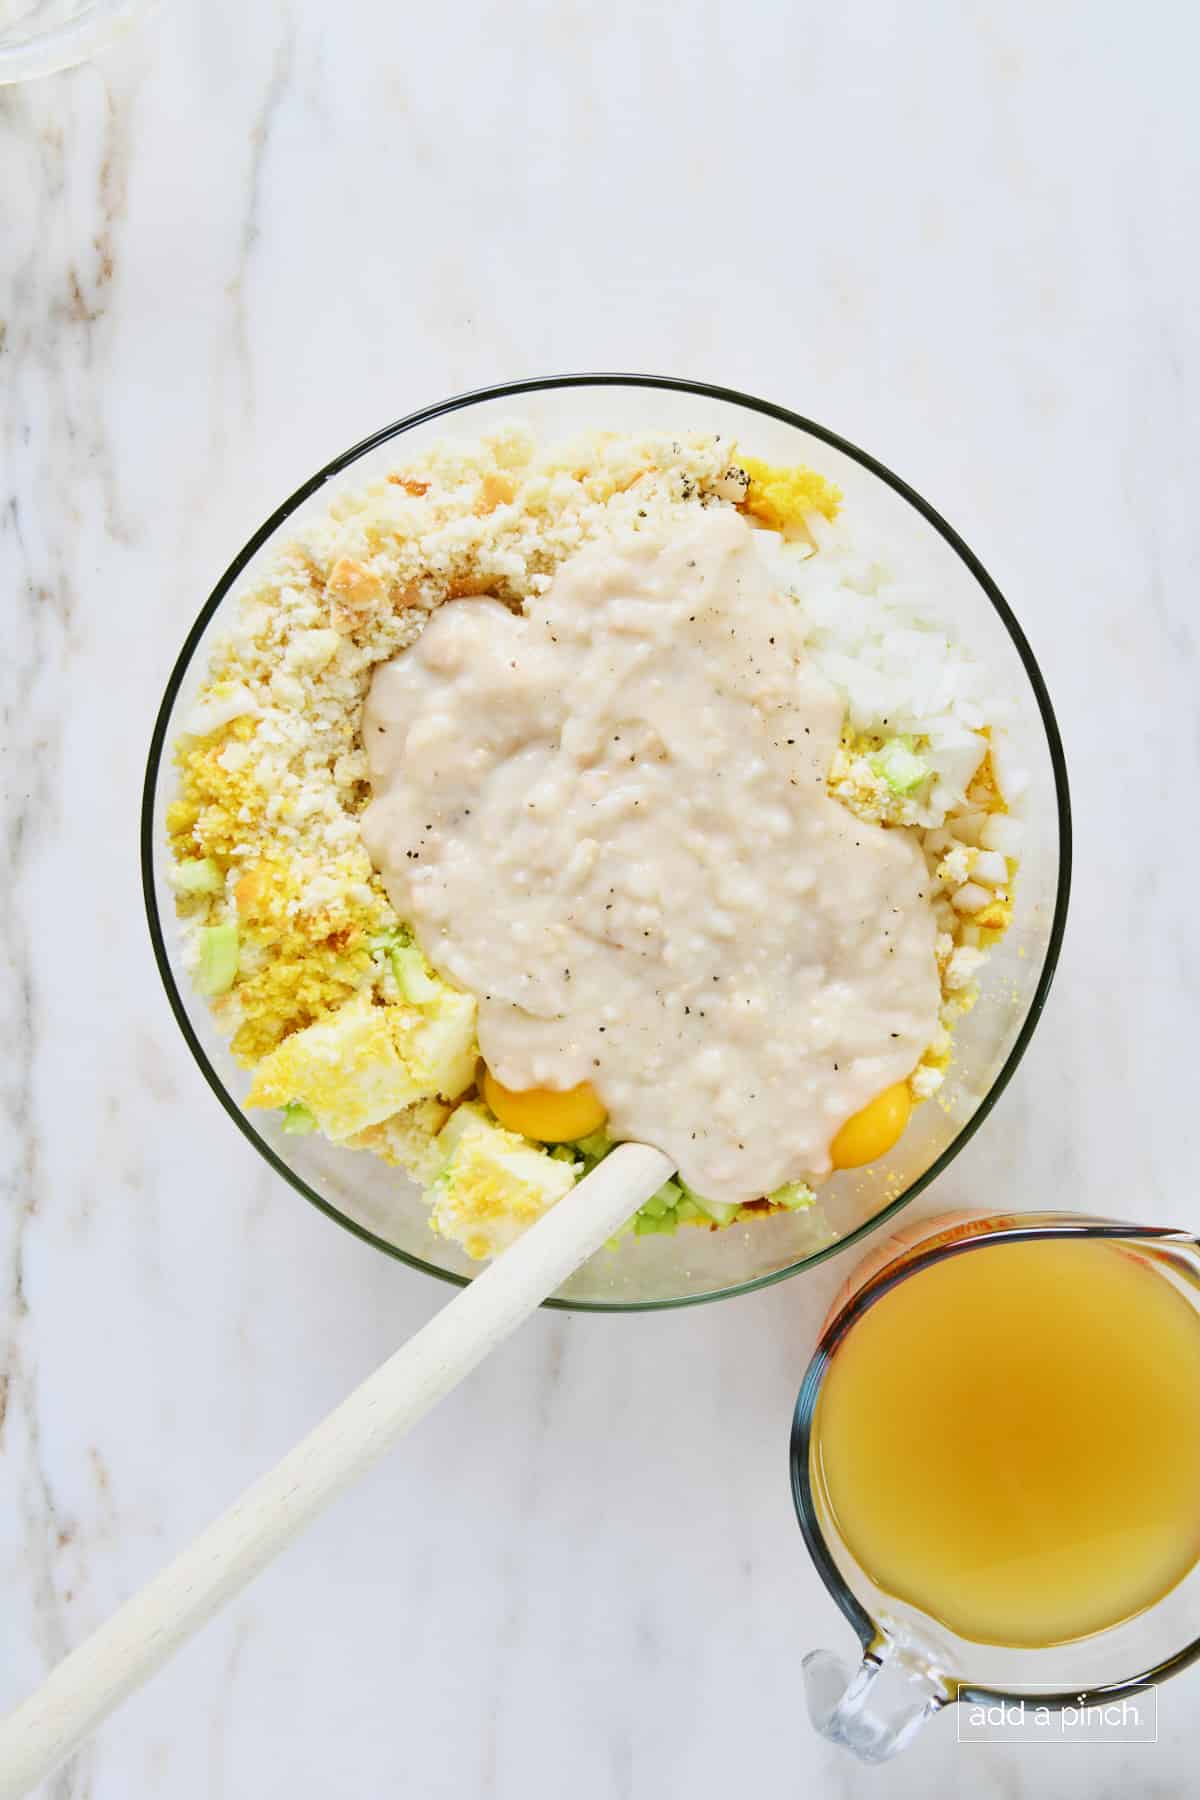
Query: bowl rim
(705, 390)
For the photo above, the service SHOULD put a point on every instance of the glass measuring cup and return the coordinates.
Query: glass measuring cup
(912, 1665)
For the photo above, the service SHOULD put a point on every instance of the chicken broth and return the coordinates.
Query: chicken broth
(1009, 1440)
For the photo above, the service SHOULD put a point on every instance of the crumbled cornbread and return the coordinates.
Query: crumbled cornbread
(407, 1139)
(365, 1062)
(493, 1183)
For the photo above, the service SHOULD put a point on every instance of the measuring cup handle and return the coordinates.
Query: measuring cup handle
(878, 1709)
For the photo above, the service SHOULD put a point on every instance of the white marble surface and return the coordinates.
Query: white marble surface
(964, 235)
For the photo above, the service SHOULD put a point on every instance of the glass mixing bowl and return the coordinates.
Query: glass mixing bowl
(378, 1202)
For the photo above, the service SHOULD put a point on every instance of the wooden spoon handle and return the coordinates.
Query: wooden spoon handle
(149, 1628)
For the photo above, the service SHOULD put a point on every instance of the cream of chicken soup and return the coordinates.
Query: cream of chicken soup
(608, 819)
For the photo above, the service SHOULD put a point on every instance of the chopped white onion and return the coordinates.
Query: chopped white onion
(968, 827)
(990, 866)
(971, 898)
(879, 641)
(1004, 833)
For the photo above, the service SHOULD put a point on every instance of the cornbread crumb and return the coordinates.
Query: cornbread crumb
(493, 1183)
(406, 1139)
(365, 1062)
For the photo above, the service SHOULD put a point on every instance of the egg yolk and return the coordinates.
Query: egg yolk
(872, 1132)
(551, 1115)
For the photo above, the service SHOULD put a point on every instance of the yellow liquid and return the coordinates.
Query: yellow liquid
(1010, 1440)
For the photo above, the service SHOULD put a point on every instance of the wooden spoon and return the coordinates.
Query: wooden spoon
(149, 1628)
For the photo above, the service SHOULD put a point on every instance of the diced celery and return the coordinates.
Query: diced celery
(687, 1209)
(656, 1206)
(387, 941)
(198, 875)
(218, 963)
(413, 979)
(717, 1210)
(297, 1120)
(595, 1146)
(563, 1153)
(670, 1193)
(646, 1225)
(900, 766)
(793, 1196)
